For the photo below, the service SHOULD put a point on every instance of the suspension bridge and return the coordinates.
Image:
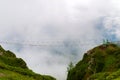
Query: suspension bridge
(51, 43)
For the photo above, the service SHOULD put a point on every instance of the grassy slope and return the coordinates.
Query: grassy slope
(106, 75)
(10, 75)
(100, 63)
(12, 68)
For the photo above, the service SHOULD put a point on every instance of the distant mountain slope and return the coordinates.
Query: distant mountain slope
(99, 63)
(12, 68)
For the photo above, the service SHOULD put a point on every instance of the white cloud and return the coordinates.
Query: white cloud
(112, 25)
(56, 21)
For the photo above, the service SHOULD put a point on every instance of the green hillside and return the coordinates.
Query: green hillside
(99, 63)
(13, 68)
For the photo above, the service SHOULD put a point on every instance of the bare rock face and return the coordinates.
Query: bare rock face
(1, 53)
(2, 75)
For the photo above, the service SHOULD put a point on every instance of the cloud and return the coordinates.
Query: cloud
(112, 25)
(61, 30)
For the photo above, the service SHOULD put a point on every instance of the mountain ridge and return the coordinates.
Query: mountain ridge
(13, 68)
(99, 63)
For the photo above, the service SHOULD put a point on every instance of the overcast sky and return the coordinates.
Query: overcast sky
(59, 31)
